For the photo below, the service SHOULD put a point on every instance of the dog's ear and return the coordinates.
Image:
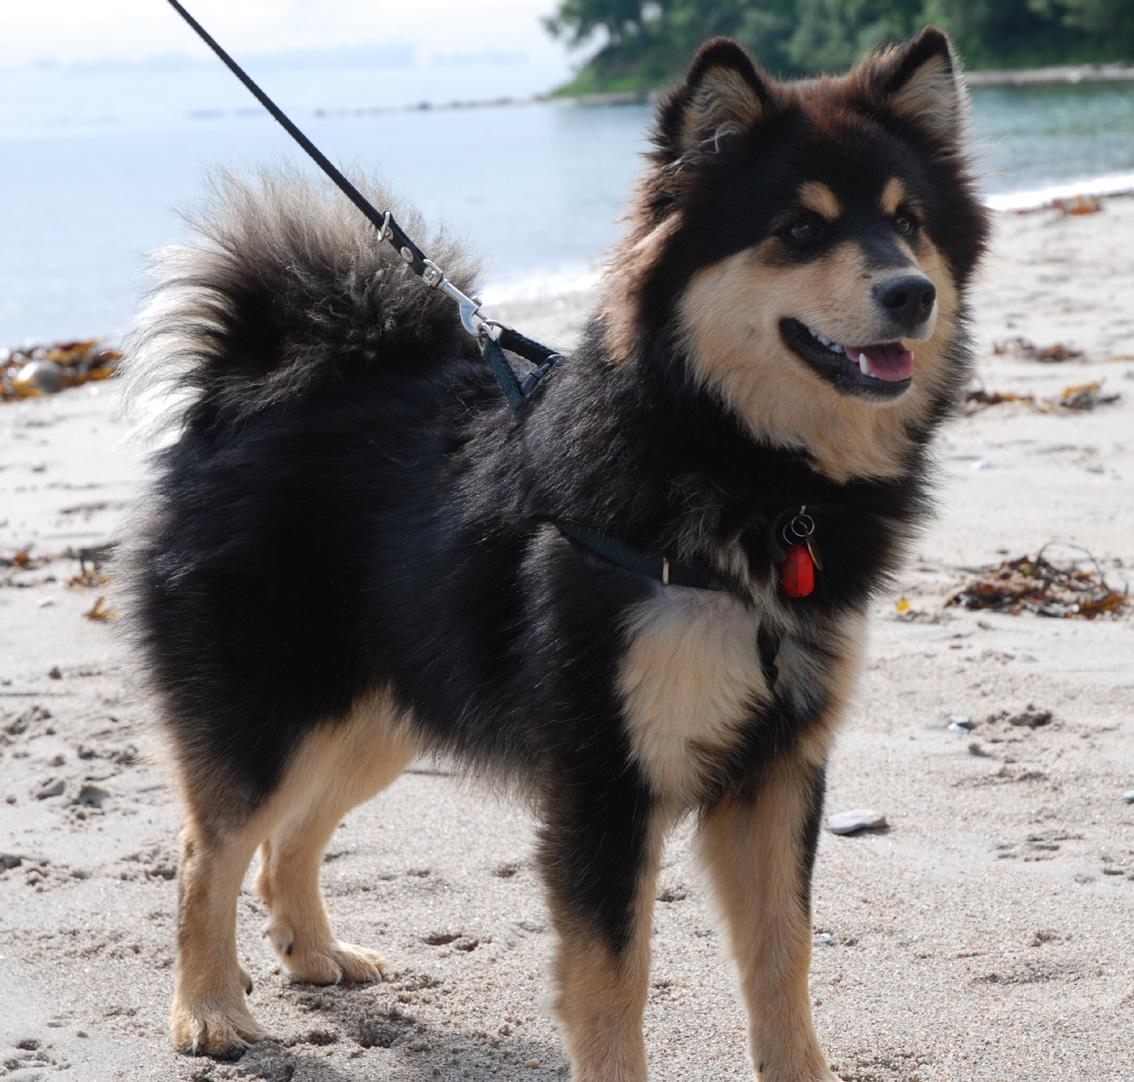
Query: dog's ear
(920, 81)
(724, 94)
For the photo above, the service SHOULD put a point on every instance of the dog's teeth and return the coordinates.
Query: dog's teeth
(863, 366)
(835, 348)
(824, 339)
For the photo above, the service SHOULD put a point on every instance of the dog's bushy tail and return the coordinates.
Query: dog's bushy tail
(285, 289)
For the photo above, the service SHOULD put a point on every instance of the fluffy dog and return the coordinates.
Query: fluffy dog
(780, 334)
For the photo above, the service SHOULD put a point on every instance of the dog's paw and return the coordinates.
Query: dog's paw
(211, 1029)
(336, 962)
(329, 962)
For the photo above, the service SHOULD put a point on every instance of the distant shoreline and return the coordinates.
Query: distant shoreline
(1066, 75)
(1069, 74)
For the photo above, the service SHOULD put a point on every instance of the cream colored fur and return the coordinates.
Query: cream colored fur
(338, 765)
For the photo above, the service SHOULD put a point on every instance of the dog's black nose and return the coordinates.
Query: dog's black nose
(907, 300)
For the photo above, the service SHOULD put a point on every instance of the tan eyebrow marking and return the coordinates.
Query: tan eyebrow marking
(893, 196)
(820, 199)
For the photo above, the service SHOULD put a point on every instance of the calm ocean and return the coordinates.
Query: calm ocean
(95, 164)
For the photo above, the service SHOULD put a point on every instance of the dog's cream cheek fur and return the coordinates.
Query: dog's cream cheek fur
(730, 315)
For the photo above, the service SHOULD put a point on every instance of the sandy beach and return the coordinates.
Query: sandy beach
(985, 937)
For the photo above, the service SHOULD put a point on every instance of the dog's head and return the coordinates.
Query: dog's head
(806, 246)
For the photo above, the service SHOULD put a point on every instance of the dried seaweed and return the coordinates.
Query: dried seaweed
(1078, 205)
(100, 611)
(43, 370)
(1077, 398)
(1026, 350)
(90, 575)
(1040, 586)
(977, 398)
(1080, 398)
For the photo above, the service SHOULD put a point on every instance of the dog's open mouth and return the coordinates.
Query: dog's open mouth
(883, 370)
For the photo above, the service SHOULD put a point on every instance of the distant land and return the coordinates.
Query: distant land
(640, 46)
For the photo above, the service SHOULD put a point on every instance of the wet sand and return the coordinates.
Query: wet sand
(984, 937)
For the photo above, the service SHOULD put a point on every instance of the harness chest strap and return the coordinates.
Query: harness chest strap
(659, 568)
(798, 562)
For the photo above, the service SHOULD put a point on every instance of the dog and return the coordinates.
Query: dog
(780, 334)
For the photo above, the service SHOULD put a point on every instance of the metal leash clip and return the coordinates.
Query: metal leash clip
(468, 307)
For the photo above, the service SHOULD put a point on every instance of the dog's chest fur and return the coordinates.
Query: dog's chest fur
(693, 685)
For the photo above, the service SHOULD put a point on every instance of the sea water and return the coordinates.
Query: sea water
(95, 166)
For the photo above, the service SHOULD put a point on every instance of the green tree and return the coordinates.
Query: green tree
(645, 43)
(1106, 24)
(577, 21)
(831, 34)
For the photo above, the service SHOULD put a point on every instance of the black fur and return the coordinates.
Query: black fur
(350, 505)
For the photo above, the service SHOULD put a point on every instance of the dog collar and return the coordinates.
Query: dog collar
(790, 545)
(659, 568)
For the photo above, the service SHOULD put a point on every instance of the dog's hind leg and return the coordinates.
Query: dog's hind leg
(344, 764)
(760, 851)
(209, 1013)
(600, 853)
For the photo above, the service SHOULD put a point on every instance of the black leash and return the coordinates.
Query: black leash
(494, 337)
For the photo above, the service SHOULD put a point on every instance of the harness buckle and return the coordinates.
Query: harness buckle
(432, 275)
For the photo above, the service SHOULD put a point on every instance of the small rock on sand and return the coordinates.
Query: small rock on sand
(51, 787)
(851, 822)
(1031, 718)
(94, 796)
(1128, 796)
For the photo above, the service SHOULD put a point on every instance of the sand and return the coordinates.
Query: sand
(985, 937)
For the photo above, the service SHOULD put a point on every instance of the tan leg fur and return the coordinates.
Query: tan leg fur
(753, 848)
(288, 880)
(338, 766)
(209, 1014)
(602, 994)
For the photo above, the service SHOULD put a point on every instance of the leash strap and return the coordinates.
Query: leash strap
(383, 222)
(489, 332)
(494, 337)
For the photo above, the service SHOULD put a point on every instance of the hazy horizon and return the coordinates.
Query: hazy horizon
(500, 48)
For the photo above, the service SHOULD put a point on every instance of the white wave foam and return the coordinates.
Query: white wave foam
(542, 284)
(1113, 184)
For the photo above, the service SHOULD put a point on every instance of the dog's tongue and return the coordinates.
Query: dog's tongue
(889, 361)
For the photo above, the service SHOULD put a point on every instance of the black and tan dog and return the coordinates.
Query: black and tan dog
(779, 335)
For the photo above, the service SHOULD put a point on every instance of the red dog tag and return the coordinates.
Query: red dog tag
(797, 572)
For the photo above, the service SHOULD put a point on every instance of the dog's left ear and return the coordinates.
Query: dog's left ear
(724, 94)
(921, 81)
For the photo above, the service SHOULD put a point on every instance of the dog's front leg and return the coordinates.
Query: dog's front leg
(760, 850)
(599, 855)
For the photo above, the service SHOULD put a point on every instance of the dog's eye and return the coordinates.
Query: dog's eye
(805, 230)
(904, 223)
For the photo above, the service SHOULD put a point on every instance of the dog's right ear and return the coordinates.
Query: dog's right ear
(724, 94)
